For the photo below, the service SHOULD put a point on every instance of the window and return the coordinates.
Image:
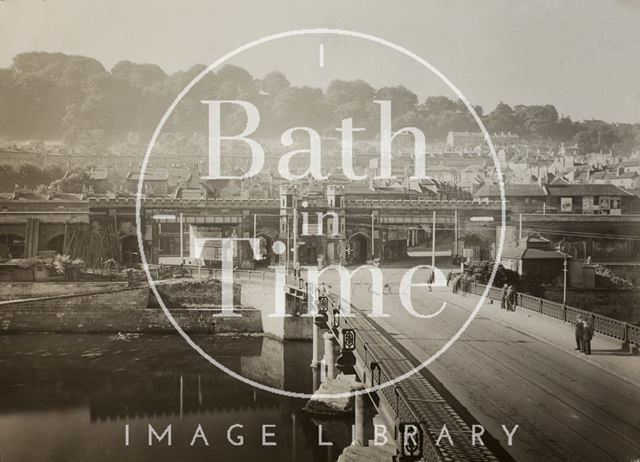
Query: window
(13, 244)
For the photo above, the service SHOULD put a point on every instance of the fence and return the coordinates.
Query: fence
(413, 400)
(627, 332)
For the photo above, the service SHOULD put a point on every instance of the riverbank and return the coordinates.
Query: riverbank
(114, 307)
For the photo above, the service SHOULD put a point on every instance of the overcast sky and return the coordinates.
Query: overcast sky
(583, 56)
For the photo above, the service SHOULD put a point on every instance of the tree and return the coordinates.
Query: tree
(538, 121)
(402, 99)
(274, 82)
(141, 75)
(300, 106)
(503, 119)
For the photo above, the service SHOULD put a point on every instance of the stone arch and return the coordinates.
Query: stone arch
(476, 247)
(56, 244)
(129, 249)
(266, 242)
(359, 246)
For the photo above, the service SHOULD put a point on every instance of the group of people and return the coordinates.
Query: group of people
(584, 334)
(460, 282)
(584, 329)
(509, 298)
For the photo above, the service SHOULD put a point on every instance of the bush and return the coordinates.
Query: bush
(606, 279)
(65, 266)
(33, 262)
(480, 272)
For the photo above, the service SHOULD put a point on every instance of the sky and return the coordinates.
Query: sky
(583, 56)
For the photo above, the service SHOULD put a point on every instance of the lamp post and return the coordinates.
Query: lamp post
(433, 242)
(373, 237)
(564, 289)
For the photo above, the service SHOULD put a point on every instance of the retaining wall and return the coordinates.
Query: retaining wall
(116, 310)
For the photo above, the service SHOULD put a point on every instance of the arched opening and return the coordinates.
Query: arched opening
(475, 248)
(265, 251)
(56, 244)
(359, 248)
(130, 250)
(11, 246)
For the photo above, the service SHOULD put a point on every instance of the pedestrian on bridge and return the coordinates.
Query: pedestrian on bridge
(579, 329)
(456, 284)
(587, 335)
(503, 302)
(512, 296)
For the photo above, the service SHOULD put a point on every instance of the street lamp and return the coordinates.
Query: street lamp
(564, 289)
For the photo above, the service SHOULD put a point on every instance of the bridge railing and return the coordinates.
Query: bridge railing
(410, 401)
(432, 203)
(394, 395)
(614, 328)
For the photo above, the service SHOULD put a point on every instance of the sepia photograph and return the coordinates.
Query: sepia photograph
(296, 230)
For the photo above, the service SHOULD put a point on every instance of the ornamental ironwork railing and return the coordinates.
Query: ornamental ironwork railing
(614, 328)
(414, 400)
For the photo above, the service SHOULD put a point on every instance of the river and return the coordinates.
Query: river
(72, 397)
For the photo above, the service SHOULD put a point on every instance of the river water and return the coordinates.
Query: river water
(69, 398)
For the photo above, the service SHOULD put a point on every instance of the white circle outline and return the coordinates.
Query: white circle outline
(294, 33)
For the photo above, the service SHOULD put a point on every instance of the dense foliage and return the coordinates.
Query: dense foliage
(28, 176)
(56, 96)
(480, 272)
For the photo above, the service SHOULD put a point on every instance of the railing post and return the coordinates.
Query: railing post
(541, 303)
(626, 333)
(359, 415)
(564, 312)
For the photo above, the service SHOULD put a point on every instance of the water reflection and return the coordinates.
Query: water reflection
(68, 398)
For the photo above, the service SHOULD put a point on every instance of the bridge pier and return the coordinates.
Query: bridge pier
(317, 345)
(359, 415)
(329, 355)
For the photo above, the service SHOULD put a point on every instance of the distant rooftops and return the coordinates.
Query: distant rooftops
(555, 189)
(149, 175)
(586, 190)
(492, 190)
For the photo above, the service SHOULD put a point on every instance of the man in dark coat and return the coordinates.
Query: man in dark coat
(503, 302)
(587, 335)
(511, 298)
(579, 329)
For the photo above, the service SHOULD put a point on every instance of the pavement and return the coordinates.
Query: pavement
(520, 368)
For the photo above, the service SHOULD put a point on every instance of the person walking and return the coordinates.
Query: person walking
(587, 335)
(579, 329)
(503, 302)
(511, 298)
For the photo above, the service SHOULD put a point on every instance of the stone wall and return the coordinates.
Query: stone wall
(189, 292)
(261, 296)
(22, 290)
(116, 310)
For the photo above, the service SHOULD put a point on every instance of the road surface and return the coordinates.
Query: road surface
(517, 368)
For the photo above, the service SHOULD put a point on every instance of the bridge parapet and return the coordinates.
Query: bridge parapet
(422, 203)
(614, 328)
(411, 401)
(176, 202)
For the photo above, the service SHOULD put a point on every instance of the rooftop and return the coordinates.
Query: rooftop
(492, 190)
(586, 190)
(527, 253)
